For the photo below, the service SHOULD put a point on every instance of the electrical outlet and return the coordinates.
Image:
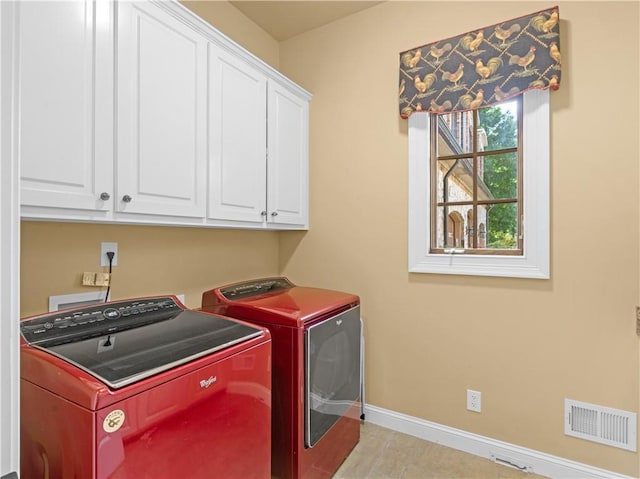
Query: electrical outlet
(104, 249)
(474, 400)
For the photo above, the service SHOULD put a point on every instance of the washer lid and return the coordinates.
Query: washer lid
(124, 342)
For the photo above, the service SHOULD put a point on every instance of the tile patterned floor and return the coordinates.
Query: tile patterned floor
(386, 454)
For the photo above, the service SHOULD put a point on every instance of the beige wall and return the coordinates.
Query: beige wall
(151, 260)
(234, 24)
(525, 344)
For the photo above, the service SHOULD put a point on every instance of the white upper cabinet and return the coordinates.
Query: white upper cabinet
(237, 139)
(161, 91)
(258, 146)
(141, 112)
(63, 63)
(287, 175)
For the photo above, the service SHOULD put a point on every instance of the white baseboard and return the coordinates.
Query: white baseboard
(498, 451)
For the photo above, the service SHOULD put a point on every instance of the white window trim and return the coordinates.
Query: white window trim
(535, 261)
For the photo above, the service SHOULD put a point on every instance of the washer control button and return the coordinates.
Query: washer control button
(111, 313)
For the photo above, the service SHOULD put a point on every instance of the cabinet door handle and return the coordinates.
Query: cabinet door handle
(104, 196)
(127, 199)
(275, 213)
(263, 213)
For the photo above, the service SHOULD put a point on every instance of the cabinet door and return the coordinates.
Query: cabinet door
(63, 64)
(161, 113)
(237, 139)
(287, 167)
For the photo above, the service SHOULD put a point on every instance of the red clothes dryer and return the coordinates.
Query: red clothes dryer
(144, 389)
(316, 383)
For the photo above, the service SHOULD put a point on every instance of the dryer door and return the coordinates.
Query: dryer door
(332, 371)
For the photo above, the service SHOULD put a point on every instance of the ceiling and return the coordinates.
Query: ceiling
(285, 19)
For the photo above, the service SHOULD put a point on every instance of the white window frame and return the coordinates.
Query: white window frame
(534, 263)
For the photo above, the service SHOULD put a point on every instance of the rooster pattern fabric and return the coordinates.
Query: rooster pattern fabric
(482, 67)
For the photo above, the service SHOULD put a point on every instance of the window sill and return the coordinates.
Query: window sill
(479, 265)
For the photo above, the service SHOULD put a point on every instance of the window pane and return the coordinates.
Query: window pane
(502, 226)
(454, 227)
(498, 126)
(498, 176)
(455, 180)
(454, 133)
(478, 179)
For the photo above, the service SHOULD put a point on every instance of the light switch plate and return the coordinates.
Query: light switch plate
(88, 279)
(102, 279)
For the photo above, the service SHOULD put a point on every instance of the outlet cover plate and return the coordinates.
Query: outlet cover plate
(104, 248)
(474, 400)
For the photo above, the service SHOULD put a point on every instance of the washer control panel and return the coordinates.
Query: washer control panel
(254, 288)
(97, 319)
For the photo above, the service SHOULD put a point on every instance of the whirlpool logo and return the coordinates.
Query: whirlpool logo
(113, 421)
(205, 383)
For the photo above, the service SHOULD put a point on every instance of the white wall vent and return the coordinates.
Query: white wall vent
(605, 425)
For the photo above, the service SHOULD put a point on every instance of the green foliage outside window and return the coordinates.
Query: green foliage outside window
(501, 176)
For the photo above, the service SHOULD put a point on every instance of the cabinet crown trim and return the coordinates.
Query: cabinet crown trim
(220, 39)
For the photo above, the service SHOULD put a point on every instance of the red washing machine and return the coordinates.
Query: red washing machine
(144, 389)
(317, 379)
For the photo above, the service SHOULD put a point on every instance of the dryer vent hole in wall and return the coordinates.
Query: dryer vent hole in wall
(604, 425)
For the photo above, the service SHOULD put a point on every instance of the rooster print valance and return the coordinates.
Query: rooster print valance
(482, 67)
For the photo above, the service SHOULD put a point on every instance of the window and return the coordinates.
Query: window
(460, 231)
(475, 163)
